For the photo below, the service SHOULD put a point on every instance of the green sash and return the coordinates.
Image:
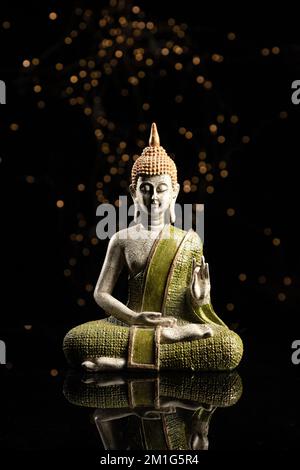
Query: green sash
(166, 290)
(168, 275)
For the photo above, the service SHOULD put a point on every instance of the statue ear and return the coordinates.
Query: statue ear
(176, 190)
(132, 191)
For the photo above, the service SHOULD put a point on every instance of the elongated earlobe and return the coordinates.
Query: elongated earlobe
(136, 213)
(172, 212)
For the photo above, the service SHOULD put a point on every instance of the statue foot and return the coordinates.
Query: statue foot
(104, 363)
(188, 332)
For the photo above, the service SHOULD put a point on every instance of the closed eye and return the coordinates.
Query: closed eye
(162, 187)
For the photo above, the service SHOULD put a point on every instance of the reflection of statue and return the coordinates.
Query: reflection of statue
(154, 412)
(168, 322)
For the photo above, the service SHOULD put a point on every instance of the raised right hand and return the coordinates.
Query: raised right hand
(154, 319)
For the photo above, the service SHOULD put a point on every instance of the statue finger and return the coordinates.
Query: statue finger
(206, 271)
(153, 315)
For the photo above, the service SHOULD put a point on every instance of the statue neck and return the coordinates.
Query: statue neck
(153, 224)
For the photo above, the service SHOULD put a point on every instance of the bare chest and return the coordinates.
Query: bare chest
(137, 253)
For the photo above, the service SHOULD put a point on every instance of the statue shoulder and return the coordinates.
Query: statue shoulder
(127, 233)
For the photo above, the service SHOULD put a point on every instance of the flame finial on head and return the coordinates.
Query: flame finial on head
(154, 160)
(154, 137)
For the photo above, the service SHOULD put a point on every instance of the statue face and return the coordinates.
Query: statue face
(154, 194)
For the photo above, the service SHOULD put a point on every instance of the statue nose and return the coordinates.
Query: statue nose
(154, 197)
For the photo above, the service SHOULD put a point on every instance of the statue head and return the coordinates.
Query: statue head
(154, 186)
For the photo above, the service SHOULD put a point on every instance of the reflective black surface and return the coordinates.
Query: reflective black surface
(40, 411)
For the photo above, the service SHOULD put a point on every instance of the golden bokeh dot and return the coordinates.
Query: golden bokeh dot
(231, 36)
(275, 50)
(146, 106)
(202, 168)
(217, 58)
(262, 279)
(59, 66)
(221, 139)
(14, 126)
(200, 79)
(208, 85)
(118, 54)
(165, 51)
(72, 261)
(81, 187)
(41, 104)
(60, 203)
(245, 139)
(35, 61)
(276, 241)
(67, 272)
(213, 128)
(196, 60)
(85, 252)
(54, 372)
(202, 155)
(73, 79)
(136, 10)
(79, 237)
(27, 327)
(281, 296)
(178, 66)
(89, 287)
(37, 88)
(68, 40)
(178, 98)
(94, 241)
(149, 62)
(287, 281)
(220, 118)
(6, 25)
(81, 302)
(242, 277)
(230, 212)
(53, 15)
(210, 189)
(265, 52)
(230, 307)
(222, 164)
(133, 81)
(26, 63)
(188, 135)
(283, 115)
(268, 231)
(224, 173)
(209, 177)
(30, 179)
(234, 119)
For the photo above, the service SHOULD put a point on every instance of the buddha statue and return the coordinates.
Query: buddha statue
(168, 321)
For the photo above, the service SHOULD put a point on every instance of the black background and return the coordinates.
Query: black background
(56, 145)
